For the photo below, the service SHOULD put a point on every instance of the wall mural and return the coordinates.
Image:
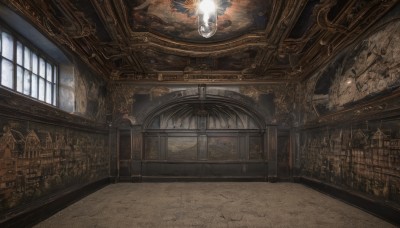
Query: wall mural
(309, 101)
(89, 96)
(368, 70)
(279, 100)
(37, 160)
(182, 148)
(223, 148)
(122, 98)
(177, 18)
(365, 158)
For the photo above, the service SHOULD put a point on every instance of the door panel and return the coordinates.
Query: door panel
(124, 153)
(283, 155)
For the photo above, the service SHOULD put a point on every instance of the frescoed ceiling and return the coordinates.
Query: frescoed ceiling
(177, 20)
(157, 40)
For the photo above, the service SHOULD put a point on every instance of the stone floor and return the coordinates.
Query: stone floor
(210, 205)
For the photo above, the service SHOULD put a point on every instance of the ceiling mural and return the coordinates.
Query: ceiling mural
(158, 40)
(177, 19)
(361, 73)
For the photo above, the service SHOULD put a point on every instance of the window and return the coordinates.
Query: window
(26, 70)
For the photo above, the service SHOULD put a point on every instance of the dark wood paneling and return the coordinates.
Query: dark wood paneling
(203, 154)
(125, 153)
(200, 170)
(124, 168)
(124, 145)
(283, 155)
(272, 154)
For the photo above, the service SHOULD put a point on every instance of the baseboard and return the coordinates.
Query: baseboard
(129, 179)
(377, 207)
(273, 179)
(41, 211)
(200, 179)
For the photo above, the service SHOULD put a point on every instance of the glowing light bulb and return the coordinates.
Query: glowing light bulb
(207, 18)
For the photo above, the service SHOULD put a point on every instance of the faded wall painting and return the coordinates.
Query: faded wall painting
(38, 160)
(182, 148)
(362, 157)
(90, 92)
(278, 101)
(178, 19)
(368, 70)
(223, 148)
(152, 145)
(128, 100)
(256, 148)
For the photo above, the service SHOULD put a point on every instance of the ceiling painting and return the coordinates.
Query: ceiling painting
(177, 19)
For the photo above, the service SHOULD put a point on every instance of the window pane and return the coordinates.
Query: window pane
(34, 63)
(49, 73)
(7, 46)
(7, 72)
(27, 58)
(42, 88)
(20, 50)
(34, 86)
(20, 78)
(55, 74)
(27, 82)
(49, 90)
(54, 95)
(34, 76)
(42, 68)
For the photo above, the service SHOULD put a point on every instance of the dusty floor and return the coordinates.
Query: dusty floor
(210, 205)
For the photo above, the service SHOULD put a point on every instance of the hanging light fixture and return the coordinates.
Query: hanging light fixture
(207, 18)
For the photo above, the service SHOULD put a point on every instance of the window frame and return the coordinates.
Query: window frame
(20, 71)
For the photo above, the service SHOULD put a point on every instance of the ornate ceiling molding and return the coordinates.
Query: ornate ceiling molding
(63, 23)
(299, 37)
(147, 40)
